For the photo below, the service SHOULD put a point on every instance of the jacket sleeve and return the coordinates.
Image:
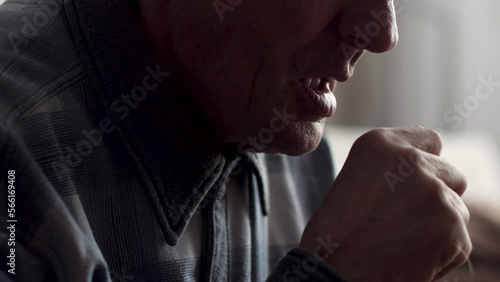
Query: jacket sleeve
(299, 265)
(39, 239)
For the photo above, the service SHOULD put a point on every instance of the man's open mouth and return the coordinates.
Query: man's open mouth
(321, 85)
(318, 100)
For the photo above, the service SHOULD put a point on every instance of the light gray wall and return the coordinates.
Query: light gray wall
(446, 49)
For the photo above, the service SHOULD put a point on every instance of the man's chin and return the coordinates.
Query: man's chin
(298, 138)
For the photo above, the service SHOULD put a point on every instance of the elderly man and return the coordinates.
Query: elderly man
(171, 140)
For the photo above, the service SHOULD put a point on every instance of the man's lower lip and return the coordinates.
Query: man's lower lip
(320, 104)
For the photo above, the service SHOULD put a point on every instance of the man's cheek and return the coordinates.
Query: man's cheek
(309, 20)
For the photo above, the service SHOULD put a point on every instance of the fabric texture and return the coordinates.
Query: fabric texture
(106, 186)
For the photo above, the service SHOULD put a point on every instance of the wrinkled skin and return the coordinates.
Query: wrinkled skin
(395, 209)
(238, 70)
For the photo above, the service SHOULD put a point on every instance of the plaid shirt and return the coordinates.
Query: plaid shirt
(93, 132)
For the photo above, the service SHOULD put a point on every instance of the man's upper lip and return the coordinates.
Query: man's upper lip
(327, 78)
(343, 75)
(330, 79)
(330, 86)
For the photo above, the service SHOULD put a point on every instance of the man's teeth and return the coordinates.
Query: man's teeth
(315, 83)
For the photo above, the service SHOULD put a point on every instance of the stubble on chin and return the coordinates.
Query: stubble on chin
(299, 138)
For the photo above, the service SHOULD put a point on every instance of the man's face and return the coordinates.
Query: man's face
(262, 71)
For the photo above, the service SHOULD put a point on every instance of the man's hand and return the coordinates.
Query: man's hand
(395, 209)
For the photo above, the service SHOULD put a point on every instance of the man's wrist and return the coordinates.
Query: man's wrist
(302, 265)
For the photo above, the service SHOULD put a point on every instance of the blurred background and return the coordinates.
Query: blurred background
(445, 48)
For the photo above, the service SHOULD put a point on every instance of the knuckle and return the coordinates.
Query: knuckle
(456, 204)
(464, 252)
(466, 214)
(416, 157)
(374, 135)
(453, 218)
(437, 140)
(372, 138)
(468, 247)
(433, 190)
(439, 197)
(454, 213)
(461, 182)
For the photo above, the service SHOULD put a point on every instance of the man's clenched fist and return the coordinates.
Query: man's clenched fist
(395, 209)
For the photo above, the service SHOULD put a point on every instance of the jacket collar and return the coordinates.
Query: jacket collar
(178, 168)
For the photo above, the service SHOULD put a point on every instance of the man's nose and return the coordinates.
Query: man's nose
(371, 27)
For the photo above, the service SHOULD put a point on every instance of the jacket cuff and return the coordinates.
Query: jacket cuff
(299, 265)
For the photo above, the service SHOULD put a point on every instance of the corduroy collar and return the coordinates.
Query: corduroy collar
(177, 169)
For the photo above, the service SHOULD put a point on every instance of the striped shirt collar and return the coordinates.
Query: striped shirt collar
(177, 174)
